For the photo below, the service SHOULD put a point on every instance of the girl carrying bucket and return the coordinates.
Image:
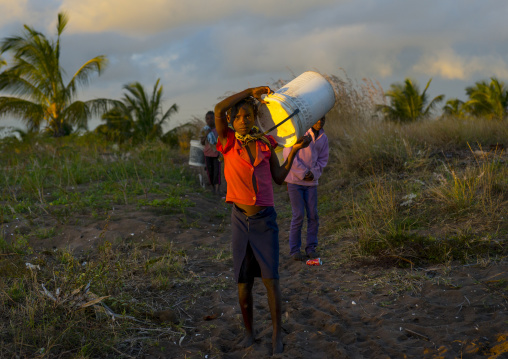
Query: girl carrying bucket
(250, 164)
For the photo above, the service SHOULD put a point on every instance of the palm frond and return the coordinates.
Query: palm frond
(433, 104)
(30, 113)
(19, 86)
(407, 103)
(140, 112)
(171, 111)
(82, 76)
(63, 19)
(487, 99)
(36, 76)
(453, 107)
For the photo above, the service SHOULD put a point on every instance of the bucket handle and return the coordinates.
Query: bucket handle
(280, 123)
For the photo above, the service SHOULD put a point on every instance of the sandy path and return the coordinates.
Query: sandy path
(345, 311)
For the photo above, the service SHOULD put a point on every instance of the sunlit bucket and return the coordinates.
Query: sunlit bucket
(310, 92)
(196, 154)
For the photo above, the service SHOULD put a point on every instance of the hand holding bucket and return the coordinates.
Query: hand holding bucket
(259, 91)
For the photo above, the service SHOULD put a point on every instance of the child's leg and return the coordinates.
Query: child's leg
(208, 167)
(312, 219)
(298, 213)
(246, 305)
(275, 304)
(216, 174)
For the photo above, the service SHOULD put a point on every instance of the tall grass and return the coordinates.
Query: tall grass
(428, 191)
(381, 145)
(479, 188)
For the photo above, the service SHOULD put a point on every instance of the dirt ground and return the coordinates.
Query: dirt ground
(338, 310)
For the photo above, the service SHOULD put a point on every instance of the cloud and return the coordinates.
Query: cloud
(12, 11)
(202, 49)
(34, 13)
(452, 66)
(357, 48)
(151, 16)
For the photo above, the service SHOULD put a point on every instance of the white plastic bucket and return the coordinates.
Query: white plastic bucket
(196, 154)
(311, 93)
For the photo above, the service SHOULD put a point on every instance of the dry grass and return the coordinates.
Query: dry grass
(428, 191)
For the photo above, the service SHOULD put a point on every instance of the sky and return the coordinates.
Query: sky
(204, 49)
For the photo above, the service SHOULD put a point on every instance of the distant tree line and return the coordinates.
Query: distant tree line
(407, 103)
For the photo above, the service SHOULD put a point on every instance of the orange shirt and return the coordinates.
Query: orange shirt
(240, 172)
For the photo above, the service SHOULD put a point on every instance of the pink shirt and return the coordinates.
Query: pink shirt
(312, 158)
(210, 149)
(240, 172)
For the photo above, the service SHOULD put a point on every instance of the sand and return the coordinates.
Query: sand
(337, 310)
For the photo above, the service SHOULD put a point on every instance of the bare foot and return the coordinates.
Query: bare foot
(247, 341)
(277, 346)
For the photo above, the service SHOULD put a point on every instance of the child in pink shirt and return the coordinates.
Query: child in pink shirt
(209, 140)
(302, 183)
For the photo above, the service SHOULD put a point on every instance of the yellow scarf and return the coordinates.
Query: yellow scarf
(254, 135)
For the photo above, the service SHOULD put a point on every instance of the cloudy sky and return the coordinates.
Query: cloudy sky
(203, 49)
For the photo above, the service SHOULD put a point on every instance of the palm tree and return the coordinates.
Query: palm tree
(454, 108)
(119, 126)
(487, 99)
(35, 80)
(407, 103)
(138, 116)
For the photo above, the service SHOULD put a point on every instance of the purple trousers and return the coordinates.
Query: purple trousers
(303, 201)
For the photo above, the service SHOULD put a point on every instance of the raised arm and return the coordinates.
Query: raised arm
(280, 172)
(221, 120)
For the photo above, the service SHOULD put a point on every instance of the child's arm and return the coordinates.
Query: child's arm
(221, 120)
(297, 171)
(321, 161)
(279, 173)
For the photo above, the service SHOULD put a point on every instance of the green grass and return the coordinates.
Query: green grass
(47, 183)
(36, 324)
(390, 194)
